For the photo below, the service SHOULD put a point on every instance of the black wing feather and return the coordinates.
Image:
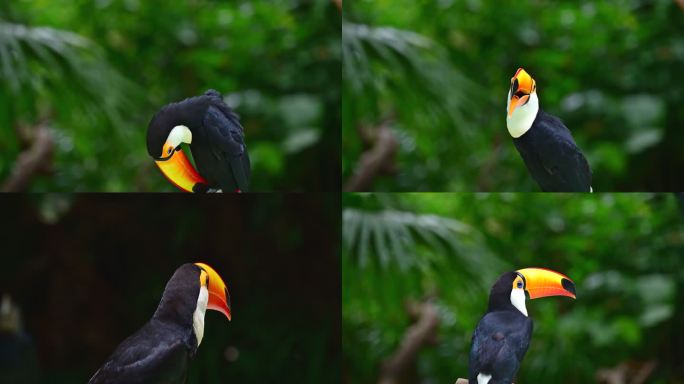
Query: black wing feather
(552, 156)
(150, 356)
(227, 139)
(499, 344)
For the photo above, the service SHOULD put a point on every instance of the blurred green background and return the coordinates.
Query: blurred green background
(625, 252)
(93, 73)
(433, 75)
(88, 271)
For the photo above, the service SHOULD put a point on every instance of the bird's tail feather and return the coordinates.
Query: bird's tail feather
(483, 378)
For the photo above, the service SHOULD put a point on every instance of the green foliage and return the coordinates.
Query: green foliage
(610, 70)
(622, 251)
(97, 72)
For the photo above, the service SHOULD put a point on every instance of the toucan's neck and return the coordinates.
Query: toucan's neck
(189, 112)
(522, 118)
(500, 301)
(179, 299)
(176, 307)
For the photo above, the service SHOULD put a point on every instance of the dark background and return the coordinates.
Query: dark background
(88, 271)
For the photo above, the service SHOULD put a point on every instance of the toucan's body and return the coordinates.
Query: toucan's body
(503, 335)
(552, 157)
(216, 140)
(499, 344)
(543, 141)
(160, 351)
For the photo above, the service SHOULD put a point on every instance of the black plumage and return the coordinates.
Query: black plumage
(218, 144)
(501, 338)
(160, 351)
(552, 157)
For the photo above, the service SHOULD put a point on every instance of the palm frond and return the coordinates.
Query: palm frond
(54, 62)
(405, 64)
(390, 238)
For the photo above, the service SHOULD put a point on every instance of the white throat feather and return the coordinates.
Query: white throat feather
(180, 134)
(198, 315)
(520, 121)
(518, 300)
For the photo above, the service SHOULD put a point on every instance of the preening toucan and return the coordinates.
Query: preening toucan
(504, 332)
(216, 140)
(160, 351)
(544, 142)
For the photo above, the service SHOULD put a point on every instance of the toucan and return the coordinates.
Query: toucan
(18, 357)
(216, 140)
(161, 350)
(543, 141)
(503, 334)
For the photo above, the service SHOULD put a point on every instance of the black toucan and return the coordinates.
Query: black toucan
(504, 332)
(216, 140)
(160, 351)
(544, 142)
(18, 358)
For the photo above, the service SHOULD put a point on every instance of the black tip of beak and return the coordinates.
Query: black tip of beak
(568, 286)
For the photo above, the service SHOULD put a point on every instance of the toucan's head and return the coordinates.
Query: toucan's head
(219, 298)
(164, 139)
(192, 290)
(511, 288)
(523, 103)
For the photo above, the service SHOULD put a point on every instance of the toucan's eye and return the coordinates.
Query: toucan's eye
(520, 284)
(168, 151)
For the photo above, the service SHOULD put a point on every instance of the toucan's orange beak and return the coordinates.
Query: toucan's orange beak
(522, 85)
(177, 168)
(540, 282)
(219, 298)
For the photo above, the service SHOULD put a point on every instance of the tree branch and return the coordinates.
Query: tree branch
(376, 160)
(628, 372)
(31, 161)
(423, 332)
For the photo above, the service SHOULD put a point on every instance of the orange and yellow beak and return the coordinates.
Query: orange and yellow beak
(522, 85)
(177, 168)
(540, 282)
(219, 298)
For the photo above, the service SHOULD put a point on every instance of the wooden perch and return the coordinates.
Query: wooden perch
(338, 3)
(377, 160)
(629, 372)
(423, 332)
(34, 159)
